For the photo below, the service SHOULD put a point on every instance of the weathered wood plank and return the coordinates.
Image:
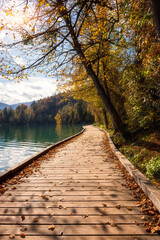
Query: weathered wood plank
(69, 211)
(84, 219)
(51, 197)
(137, 237)
(64, 192)
(73, 230)
(109, 203)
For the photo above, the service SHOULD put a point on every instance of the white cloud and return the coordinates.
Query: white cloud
(27, 90)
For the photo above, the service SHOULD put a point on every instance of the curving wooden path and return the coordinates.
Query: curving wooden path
(74, 195)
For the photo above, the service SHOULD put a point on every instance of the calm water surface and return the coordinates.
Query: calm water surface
(20, 142)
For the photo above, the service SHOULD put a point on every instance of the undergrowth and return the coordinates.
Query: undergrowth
(143, 151)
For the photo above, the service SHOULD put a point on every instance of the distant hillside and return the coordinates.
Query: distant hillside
(55, 109)
(17, 104)
(3, 105)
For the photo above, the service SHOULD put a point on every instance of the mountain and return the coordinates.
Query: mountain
(17, 104)
(3, 105)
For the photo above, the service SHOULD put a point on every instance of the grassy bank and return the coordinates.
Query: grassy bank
(143, 150)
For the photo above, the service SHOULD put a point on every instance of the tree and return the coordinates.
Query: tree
(156, 14)
(64, 31)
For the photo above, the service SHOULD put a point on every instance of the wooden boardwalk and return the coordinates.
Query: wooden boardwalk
(74, 195)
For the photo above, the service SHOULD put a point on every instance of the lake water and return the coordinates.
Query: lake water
(19, 142)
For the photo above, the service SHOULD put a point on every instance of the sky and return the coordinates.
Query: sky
(27, 90)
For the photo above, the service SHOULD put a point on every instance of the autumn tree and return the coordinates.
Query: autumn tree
(60, 33)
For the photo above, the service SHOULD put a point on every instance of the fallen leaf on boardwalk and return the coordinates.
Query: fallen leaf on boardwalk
(51, 227)
(60, 206)
(11, 236)
(118, 206)
(22, 235)
(23, 229)
(144, 218)
(113, 224)
(137, 223)
(104, 205)
(13, 188)
(129, 208)
(35, 219)
(155, 230)
(99, 187)
(22, 217)
(85, 216)
(48, 206)
(2, 190)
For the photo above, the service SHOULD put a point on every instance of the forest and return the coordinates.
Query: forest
(106, 53)
(55, 110)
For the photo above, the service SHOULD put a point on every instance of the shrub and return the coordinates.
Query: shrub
(153, 167)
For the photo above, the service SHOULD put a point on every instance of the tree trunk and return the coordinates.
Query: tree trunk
(156, 14)
(117, 122)
(105, 118)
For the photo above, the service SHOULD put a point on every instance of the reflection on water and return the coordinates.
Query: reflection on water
(20, 142)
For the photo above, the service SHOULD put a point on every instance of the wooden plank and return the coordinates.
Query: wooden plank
(69, 211)
(64, 192)
(73, 230)
(110, 203)
(72, 219)
(137, 237)
(51, 197)
(73, 183)
(66, 188)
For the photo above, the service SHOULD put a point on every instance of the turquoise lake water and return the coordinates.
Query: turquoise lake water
(19, 142)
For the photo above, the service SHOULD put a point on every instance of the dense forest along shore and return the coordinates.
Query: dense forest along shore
(76, 191)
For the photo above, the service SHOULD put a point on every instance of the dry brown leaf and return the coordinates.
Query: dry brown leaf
(129, 208)
(85, 216)
(51, 227)
(22, 217)
(23, 229)
(113, 224)
(144, 218)
(155, 230)
(118, 206)
(35, 219)
(104, 205)
(12, 236)
(22, 235)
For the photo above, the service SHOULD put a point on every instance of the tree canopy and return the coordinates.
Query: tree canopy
(109, 46)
